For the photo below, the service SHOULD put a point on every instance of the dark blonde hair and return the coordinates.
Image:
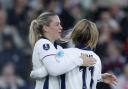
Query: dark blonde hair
(85, 32)
(36, 27)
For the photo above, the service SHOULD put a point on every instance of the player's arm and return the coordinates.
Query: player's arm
(56, 66)
(110, 79)
(60, 66)
(39, 73)
(42, 72)
(106, 77)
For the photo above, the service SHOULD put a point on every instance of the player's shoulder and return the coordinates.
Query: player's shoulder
(43, 43)
(96, 56)
(71, 49)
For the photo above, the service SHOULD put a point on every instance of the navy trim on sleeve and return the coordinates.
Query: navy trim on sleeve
(48, 55)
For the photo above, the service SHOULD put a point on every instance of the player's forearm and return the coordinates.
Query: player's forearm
(39, 73)
(63, 65)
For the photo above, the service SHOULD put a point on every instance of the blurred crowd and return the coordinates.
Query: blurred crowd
(110, 16)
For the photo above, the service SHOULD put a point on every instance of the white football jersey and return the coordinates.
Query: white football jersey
(53, 59)
(42, 49)
(81, 77)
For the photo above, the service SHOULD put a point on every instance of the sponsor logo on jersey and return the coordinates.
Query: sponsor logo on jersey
(46, 46)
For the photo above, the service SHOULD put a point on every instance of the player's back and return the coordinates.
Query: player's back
(83, 77)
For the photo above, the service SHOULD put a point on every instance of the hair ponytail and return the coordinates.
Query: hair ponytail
(36, 27)
(33, 33)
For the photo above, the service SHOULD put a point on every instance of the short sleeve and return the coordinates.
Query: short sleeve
(45, 48)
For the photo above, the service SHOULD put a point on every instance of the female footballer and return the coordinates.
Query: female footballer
(44, 31)
(85, 37)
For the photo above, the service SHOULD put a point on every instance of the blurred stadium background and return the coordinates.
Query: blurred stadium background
(110, 16)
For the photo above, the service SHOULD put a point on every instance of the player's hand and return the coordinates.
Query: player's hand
(87, 61)
(109, 79)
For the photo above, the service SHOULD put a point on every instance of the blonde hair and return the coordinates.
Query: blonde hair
(85, 32)
(36, 27)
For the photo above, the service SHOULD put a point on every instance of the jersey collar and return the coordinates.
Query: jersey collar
(44, 37)
(55, 44)
(83, 47)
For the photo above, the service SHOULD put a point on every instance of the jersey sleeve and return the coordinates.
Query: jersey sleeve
(56, 65)
(39, 73)
(46, 48)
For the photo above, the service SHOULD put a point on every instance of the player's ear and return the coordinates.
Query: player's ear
(45, 28)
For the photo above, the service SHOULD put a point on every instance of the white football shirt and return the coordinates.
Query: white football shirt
(45, 54)
(77, 78)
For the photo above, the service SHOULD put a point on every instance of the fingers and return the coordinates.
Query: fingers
(83, 56)
(87, 61)
(111, 78)
(91, 61)
(91, 64)
(114, 78)
(113, 83)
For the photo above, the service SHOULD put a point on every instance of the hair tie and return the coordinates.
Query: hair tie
(35, 21)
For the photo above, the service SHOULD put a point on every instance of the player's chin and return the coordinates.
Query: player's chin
(58, 37)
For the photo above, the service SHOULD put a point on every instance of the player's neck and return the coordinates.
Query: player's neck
(82, 46)
(49, 38)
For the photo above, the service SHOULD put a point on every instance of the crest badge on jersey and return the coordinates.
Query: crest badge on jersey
(46, 46)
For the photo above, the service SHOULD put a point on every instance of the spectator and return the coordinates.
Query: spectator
(6, 29)
(114, 60)
(17, 16)
(9, 79)
(123, 79)
(14, 55)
